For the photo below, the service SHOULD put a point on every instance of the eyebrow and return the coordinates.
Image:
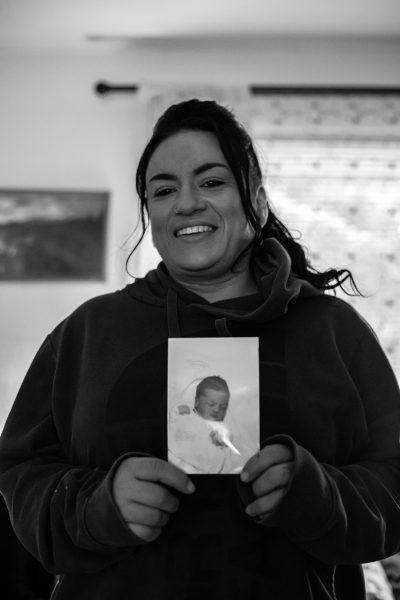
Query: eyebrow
(197, 171)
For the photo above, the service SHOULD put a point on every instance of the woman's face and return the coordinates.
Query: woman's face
(198, 223)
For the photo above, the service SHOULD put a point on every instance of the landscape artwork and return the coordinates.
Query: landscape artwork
(52, 235)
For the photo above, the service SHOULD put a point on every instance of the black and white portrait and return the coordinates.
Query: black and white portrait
(213, 403)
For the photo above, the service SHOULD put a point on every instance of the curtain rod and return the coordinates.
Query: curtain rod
(102, 88)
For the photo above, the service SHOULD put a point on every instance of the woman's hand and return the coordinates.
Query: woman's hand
(141, 496)
(268, 472)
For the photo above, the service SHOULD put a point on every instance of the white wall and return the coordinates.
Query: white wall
(56, 133)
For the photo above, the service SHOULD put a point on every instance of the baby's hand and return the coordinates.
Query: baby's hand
(216, 438)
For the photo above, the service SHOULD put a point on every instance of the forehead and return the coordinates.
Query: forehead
(218, 395)
(184, 151)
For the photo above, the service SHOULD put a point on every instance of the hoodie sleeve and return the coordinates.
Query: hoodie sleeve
(64, 514)
(350, 514)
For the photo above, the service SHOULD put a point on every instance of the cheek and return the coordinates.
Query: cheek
(241, 232)
(236, 218)
(155, 234)
(157, 223)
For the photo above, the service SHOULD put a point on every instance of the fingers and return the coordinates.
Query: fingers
(269, 472)
(148, 534)
(140, 490)
(155, 469)
(266, 458)
(145, 515)
(154, 495)
(275, 477)
(266, 504)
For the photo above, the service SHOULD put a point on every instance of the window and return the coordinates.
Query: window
(332, 167)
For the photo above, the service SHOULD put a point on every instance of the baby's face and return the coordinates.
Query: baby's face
(213, 404)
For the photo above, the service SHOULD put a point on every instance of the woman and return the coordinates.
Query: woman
(83, 452)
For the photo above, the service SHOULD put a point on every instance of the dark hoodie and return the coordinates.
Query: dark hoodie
(96, 393)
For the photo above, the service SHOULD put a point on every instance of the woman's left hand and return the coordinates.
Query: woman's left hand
(268, 472)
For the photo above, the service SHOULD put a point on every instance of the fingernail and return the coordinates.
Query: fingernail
(190, 487)
(244, 476)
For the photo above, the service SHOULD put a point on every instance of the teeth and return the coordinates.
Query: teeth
(195, 229)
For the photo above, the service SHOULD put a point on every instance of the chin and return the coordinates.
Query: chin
(196, 264)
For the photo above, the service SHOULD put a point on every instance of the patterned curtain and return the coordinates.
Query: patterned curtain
(332, 169)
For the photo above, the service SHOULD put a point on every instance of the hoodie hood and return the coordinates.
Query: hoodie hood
(277, 283)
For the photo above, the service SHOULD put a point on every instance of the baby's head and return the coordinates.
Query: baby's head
(212, 398)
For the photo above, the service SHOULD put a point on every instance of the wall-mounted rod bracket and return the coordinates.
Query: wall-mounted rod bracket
(102, 88)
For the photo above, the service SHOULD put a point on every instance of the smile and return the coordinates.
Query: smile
(194, 229)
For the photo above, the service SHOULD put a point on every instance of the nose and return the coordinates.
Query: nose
(188, 201)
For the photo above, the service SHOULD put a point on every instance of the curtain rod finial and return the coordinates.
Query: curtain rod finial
(101, 88)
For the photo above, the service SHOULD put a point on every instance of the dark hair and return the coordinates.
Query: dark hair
(238, 149)
(213, 382)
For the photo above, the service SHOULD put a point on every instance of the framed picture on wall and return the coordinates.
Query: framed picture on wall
(52, 234)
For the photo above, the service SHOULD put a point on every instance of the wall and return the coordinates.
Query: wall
(55, 133)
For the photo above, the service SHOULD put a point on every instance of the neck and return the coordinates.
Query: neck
(231, 285)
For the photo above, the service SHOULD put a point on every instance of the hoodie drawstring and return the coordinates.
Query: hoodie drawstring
(174, 330)
(221, 325)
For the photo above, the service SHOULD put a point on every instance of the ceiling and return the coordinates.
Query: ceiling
(69, 24)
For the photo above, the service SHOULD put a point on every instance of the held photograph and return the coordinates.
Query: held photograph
(213, 403)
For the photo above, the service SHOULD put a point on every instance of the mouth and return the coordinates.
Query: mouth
(194, 231)
(217, 417)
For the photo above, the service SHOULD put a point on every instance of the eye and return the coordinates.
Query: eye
(212, 183)
(163, 192)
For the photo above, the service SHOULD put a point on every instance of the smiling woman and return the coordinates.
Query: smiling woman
(84, 453)
(198, 222)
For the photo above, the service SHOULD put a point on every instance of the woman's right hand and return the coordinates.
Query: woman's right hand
(141, 496)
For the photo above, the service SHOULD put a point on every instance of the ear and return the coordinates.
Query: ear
(261, 205)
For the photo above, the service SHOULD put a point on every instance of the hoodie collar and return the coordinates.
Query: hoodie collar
(278, 284)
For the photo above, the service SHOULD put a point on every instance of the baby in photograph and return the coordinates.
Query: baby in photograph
(199, 438)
